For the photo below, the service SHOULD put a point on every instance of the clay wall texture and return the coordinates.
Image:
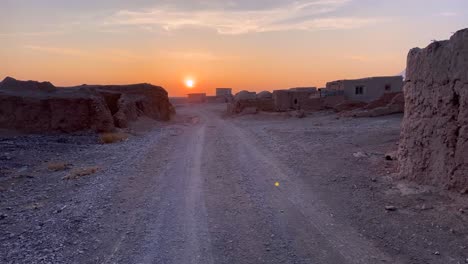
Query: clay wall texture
(434, 139)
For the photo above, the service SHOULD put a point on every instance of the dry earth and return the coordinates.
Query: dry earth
(201, 189)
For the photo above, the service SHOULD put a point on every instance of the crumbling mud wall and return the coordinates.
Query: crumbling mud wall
(38, 114)
(434, 139)
(260, 104)
(137, 100)
(41, 107)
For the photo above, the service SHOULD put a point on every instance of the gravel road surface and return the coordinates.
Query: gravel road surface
(207, 188)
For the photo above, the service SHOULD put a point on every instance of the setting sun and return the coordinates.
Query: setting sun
(190, 83)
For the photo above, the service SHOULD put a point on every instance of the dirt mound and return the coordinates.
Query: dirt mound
(348, 106)
(392, 103)
(330, 102)
(41, 107)
(383, 101)
(434, 139)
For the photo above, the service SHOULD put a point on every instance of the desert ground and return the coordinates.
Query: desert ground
(211, 188)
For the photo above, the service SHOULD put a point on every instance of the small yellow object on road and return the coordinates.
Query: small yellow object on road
(277, 184)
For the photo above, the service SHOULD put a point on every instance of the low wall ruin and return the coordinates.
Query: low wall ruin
(41, 107)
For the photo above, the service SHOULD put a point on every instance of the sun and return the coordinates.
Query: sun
(190, 83)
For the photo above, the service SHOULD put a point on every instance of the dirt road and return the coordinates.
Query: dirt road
(204, 191)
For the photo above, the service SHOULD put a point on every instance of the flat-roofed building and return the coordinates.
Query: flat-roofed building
(366, 89)
(223, 92)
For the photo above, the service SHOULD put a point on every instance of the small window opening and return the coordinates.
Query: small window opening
(359, 90)
(388, 87)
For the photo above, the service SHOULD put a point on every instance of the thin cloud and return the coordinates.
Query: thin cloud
(297, 16)
(197, 56)
(116, 55)
(56, 50)
(447, 14)
(359, 58)
(31, 34)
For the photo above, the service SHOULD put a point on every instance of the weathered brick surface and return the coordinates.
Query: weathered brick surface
(434, 139)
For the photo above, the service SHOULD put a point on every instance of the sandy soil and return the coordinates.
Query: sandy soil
(201, 189)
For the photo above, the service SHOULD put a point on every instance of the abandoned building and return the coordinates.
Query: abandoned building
(264, 95)
(243, 100)
(197, 98)
(296, 98)
(223, 92)
(304, 89)
(224, 95)
(364, 90)
(245, 95)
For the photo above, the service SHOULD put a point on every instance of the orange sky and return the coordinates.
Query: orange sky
(245, 45)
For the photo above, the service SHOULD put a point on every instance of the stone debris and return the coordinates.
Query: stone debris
(392, 155)
(388, 104)
(426, 207)
(249, 111)
(360, 154)
(348, 106)
(298, 114)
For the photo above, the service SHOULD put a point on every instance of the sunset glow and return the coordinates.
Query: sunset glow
(246, 45)
(190, 83)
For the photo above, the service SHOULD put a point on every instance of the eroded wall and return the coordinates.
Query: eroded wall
(434, 139)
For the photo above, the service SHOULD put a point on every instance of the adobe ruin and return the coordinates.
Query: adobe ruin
(434, 138)
(41, 107)
(366, 89)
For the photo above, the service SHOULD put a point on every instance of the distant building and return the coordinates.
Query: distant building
(223, 92)
(245, 95)
(224, 95)
(294, 98)
(197, 98)
(364, 90)
(304, 89)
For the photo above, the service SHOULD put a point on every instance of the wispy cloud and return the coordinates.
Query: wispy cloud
(126, 55)
(57, 50)
(30, 34)
(447, 14)
(359, 58)
(116, 55)
(196, 56)
(300, 15)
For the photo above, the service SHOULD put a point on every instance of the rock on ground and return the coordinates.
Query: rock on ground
(434, 138)
(41, 107)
